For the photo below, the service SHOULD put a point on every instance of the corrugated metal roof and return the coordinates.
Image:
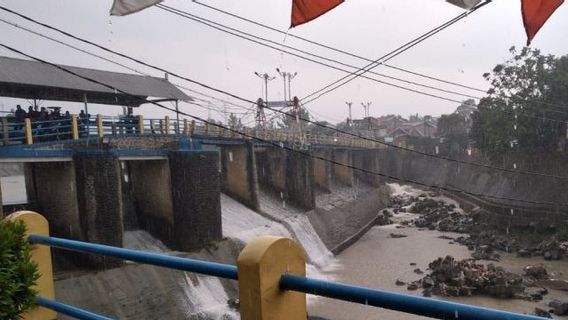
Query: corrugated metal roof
(33, 75)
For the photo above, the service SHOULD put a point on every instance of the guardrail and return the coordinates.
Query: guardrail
(75, 127)
(271, 275)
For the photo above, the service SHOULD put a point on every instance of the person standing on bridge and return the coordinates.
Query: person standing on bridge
(20, 116)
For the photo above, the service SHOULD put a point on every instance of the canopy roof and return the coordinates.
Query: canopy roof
(36, 80)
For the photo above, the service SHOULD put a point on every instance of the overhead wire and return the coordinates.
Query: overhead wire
(407, 46)
(13, 24)
(302, 119)
(232, 95)
(283, 146)
(220, 27)
(351, 54)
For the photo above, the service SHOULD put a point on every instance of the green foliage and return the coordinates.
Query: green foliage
(290, 121)
(17, 272)
(235, 122)
(525, 90)
(454, 129)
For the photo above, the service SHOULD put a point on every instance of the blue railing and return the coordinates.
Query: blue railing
(395, 301)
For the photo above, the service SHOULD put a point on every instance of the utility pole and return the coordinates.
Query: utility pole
(350, 118)
(260, 116)
(266, 78)
(367, 107)
(290, 76)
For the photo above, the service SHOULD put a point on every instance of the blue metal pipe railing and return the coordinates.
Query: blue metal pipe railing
(203, 267)
(417, 305)
(395, 301)
(69, 310)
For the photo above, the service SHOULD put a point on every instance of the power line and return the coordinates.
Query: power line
(334, 49)
(390, 55)
(220, 27)
(194, 17)
(181, 13)
(113, 62)
(282, 146)
(405, 70)
(306, 120)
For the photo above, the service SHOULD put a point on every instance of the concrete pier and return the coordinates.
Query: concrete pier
(323, 170)
(300, 180)
(99, 197)
(341, 173)
(195, 183)
(368, 160)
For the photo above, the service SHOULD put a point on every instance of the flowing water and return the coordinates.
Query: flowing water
(377, 260)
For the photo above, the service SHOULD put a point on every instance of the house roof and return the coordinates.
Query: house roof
(27, 79)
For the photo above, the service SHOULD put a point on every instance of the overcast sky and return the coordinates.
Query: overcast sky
(369, 28)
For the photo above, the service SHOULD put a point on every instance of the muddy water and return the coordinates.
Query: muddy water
(377, 260)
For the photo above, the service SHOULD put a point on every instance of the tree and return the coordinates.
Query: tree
(525, 91)
(18, 274)
(290, 119)
(235, 122)
(454, 129)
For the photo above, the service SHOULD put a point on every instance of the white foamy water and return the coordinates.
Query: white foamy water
(142, 240)
(299, 225)
(242, 223)
(205, 297)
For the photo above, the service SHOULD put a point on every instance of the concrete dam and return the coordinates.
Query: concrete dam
(208, 202)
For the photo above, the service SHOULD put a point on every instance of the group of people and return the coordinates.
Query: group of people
(47, 122)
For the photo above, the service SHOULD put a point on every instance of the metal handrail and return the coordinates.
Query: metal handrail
(162, 260)
(395, 301)
(69, 310)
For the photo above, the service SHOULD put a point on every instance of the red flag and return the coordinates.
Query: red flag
(535, 14)
(307, 10)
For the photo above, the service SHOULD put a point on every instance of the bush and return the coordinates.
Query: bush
(18, 274)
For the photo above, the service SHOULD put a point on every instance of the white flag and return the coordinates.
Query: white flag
(466, 4)
(125, 7)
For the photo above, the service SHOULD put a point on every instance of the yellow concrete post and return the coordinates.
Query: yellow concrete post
(219, 131)
(260, 265)
(74, 127)
(5, 131)
(206, 129)
(37, 224)
(100, 129)
(185, 127)
(140, 124)
(28, 131)
(192, 129)
(167, 125)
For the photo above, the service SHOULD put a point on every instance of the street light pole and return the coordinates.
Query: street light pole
(266, 78)
(290, 76)
(350, 118)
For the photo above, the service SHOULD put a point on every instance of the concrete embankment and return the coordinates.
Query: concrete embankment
(488, 181)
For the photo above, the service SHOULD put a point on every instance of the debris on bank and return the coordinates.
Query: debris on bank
(450, 277)
(430, 210)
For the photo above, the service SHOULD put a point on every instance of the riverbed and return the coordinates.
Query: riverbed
(377, 260)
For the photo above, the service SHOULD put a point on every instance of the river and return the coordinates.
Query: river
(377, 260)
